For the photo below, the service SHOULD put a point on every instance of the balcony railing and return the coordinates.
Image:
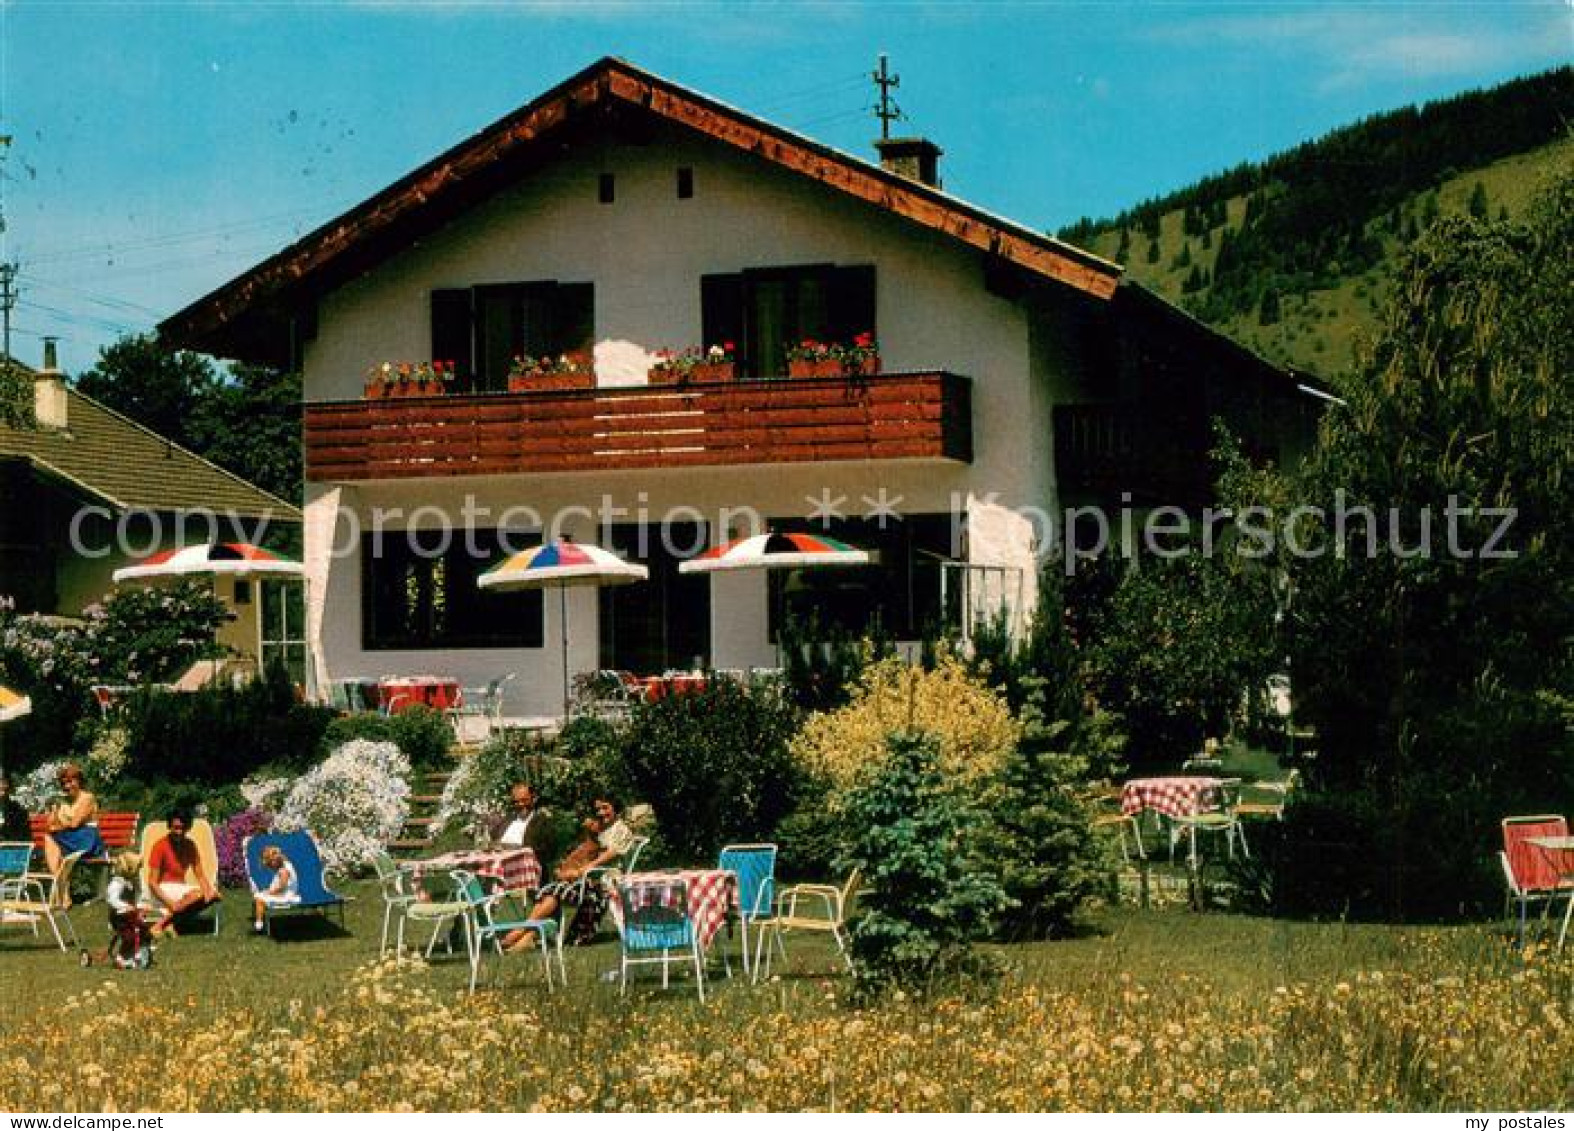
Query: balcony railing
(891, 416)
(1107, 449)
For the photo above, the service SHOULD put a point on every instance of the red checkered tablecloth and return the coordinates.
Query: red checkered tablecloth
(711, 893)
(517, 869)
(1174, 797)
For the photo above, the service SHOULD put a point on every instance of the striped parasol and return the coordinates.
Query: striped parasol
(777, 551)
(13, 705)
(218, 557)
(562, 564)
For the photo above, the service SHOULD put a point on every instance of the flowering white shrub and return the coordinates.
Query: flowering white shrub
(39, 789)
(354, 803)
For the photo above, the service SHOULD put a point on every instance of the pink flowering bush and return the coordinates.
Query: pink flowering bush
(230, 838)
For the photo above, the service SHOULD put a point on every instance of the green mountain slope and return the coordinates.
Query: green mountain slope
(1292, 256)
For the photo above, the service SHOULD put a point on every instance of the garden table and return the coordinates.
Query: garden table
(712, 894)
(515, 869)
(1171, 796)
(1559, 851)
(660, 686)
(400, 693)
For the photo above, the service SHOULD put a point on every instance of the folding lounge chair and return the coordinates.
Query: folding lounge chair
(300, 849)
(201, 835)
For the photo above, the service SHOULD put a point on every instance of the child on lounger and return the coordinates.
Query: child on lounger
(283, 891)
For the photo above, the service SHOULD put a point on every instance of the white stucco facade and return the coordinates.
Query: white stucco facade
(645, 254)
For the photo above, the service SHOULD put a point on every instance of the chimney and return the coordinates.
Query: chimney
(49, 391)
(916, 158)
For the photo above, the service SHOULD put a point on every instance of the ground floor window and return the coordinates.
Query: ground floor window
(899, 593)
(284, 628)
(663, 623)
(419, 591)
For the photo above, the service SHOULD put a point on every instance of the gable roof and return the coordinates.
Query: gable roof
(250, 316)
(114, 459)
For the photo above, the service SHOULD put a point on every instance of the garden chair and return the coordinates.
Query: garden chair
(201, 835)
(30, 897)
(300, 849)
(442, 914)
(396, 896)
(1277, 796)
(1222, 820)
(816, 908)
(755, 867)
(656, 926)
(492, 927)
(1531, 872)
(1107, 815)
(16, 858)
(483, 703)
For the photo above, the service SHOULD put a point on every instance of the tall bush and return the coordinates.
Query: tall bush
(972, 724)
(926, 900)
(714, 764)
(220, 734)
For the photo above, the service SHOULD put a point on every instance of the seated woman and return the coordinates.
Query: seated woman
(171, 861)
(605, 837)
(71, 828)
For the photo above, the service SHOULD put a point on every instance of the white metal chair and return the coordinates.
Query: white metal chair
(1221, 820)
(484, 703)
(392, 883)
(655, 926)
(814, 908)
(755, 867)
(31, 897)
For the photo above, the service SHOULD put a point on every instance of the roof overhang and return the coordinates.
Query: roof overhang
(258, 315)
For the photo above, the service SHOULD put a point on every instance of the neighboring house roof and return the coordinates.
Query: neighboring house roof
(125, 466)
(244, 318)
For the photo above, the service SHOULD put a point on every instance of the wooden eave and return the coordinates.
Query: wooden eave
(240, 317)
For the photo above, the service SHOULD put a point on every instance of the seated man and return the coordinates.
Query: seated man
(528, 826)
(176, 876)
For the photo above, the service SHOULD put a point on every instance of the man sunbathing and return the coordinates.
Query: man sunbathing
(170, 862)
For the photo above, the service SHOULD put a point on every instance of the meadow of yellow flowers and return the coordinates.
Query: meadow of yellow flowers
(1419, 1019)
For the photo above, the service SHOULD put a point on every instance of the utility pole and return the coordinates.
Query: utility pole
(7, 270)
(887, 111)
(7, 301)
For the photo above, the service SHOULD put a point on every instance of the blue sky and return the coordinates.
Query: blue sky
(161, 148)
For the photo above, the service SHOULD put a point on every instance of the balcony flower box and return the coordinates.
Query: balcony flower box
(408, 379)
(695, 367)
(561, 374)
(810, 358)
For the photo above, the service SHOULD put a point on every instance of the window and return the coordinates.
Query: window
(899, 591)
(482, 329)
(415, 598)
(283, 627)
(767, 310)
(605, 188)
(665, 622)
(685, 182)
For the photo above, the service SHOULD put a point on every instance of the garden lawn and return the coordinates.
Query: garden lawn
(1160, 1010)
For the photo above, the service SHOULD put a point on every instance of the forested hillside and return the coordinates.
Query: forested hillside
(1293, 255)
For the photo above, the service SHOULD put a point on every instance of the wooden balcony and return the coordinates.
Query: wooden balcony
(742, 423)
(1105, 450)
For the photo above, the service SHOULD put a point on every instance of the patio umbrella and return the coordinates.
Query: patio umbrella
(238, 558)
(562, 564)
(772, 550)
(776, 551)
(13, 705)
